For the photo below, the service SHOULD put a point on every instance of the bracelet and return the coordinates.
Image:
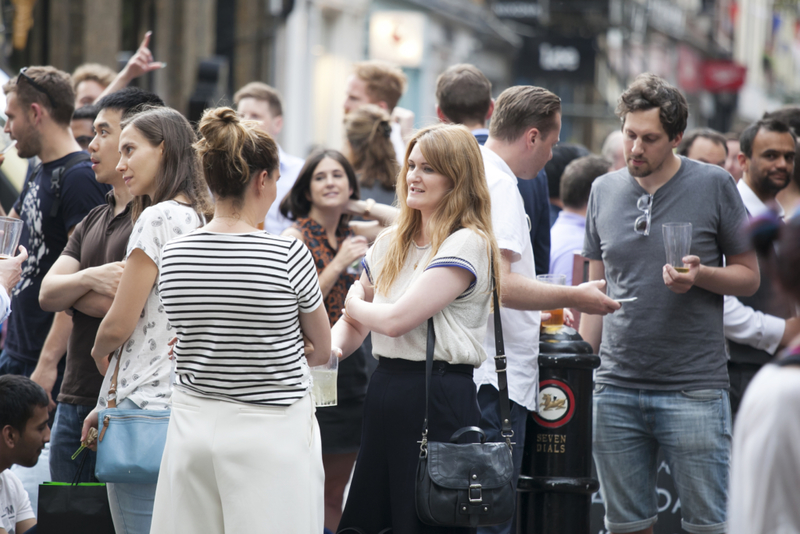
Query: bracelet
(369, 204)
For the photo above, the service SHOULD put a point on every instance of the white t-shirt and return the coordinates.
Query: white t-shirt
(15, 506)
(144, 376)
(461, 326)
(765, 465)
(520, 328)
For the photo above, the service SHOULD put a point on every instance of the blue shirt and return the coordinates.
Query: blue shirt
(566, 238)
(536, 197)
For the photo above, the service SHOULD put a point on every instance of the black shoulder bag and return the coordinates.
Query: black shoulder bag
(467, 484)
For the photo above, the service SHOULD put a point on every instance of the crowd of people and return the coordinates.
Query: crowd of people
(203, 270)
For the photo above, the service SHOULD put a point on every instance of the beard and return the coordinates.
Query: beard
(772, 183)
(29, 144)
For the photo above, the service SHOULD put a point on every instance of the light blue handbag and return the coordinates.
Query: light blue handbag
(131, 442)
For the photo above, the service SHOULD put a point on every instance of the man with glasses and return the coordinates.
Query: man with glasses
(663, 379)
(40, 103)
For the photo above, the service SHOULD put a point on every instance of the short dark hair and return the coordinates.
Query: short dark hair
(129, 100)
(770, 125)
(261, 91)
(649, 91)
(297, 204)
(19, 395)
(52, 90)
(789, 114)
(87, 112)
(706, 133)
(464, 94)
(522, 107)
(562, 155)
(576, 182)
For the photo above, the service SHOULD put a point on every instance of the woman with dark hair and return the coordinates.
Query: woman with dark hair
(161, 170)
(243, 446)
(370, 151)
(765, 461)
(317, 203)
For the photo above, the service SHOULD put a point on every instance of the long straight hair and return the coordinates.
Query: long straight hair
(179, 169)
(451, 151)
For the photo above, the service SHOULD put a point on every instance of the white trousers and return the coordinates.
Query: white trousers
(235, 468)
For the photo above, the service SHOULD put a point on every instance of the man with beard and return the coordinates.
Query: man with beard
(40, 103)
(767, 155)
(663, 379)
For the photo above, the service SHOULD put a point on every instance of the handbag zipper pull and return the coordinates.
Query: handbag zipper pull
(105, 426)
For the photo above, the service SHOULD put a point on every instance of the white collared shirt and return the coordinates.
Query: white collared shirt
(290, 167)
(741, 323)
(520, 328)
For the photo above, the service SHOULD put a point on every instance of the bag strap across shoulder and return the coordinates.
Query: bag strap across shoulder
(112, 388)
(500, 366)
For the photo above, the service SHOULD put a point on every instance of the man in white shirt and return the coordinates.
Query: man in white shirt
(23, 434)
(259, 102)
(525, 125)
(767, 158)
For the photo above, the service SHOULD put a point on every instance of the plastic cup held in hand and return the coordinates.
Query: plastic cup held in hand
(677, 244)
(10, 230)
(323, 381)
(557, 315)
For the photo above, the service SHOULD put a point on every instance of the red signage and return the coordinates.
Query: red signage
(723, 76)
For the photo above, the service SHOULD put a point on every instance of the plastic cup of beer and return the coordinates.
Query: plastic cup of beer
(677, 244)
(557, 315)
(323, 381)
(10, 230)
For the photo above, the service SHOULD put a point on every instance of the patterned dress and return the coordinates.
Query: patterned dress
(339, 425)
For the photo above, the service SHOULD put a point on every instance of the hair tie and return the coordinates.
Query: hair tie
(387, 129)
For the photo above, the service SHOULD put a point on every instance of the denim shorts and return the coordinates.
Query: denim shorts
(693, 428)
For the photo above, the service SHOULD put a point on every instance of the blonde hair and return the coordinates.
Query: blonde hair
(452, 151)
(371, 151)
(94, 72)
(261, 91)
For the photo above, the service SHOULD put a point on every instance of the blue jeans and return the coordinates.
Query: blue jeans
(489, 401)
(65, 439)
(693, 428)
(131, 504)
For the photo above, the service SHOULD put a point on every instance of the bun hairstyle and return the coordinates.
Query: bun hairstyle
(371, 151)
(179, 170)
(233, 151)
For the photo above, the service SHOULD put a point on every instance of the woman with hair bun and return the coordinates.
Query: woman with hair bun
(370, 151)
(243, 450)
(161, 170)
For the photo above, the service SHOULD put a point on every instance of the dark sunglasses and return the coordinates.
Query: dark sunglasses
(33, 83)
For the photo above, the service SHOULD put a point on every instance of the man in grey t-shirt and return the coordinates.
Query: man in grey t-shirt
(663, 379)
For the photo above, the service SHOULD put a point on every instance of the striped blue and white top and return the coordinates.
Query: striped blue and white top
(234, 301)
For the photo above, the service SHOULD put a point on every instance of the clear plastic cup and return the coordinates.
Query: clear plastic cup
(10, 230)
(557, 315)
(677, 243)
(323, 381)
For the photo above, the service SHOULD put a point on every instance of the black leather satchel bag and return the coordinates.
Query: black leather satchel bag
(467, 484)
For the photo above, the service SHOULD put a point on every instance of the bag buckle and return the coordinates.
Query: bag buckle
(475, 494)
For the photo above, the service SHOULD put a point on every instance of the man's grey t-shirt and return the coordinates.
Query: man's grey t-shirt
(663, 340)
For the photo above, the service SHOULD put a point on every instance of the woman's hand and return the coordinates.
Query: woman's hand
(356, 291)
(91, 421)
(352, 249)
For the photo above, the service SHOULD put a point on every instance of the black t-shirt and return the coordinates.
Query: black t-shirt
(45, 237)
(99, 239)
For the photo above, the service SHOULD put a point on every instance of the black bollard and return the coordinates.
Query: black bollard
(555, 488)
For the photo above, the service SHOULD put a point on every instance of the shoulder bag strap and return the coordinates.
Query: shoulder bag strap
(57, 178)
(500, 365)
(112, 389)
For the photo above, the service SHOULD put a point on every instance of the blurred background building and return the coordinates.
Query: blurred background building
(734, 59)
